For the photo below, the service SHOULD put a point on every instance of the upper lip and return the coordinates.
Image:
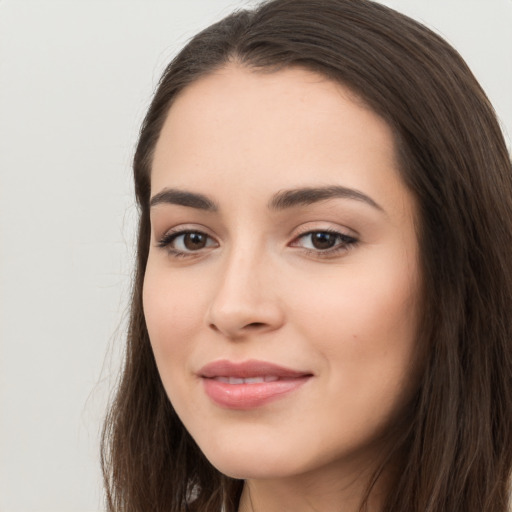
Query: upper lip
(248, 369)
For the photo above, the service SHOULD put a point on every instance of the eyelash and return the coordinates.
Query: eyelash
(345, 243)
(166, 242)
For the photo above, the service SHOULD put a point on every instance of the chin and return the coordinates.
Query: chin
(255, 464)
(242, 470)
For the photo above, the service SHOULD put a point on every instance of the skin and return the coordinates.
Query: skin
(259, 288)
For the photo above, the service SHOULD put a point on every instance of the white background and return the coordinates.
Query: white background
(75, 79)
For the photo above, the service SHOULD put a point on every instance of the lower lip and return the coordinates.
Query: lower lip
(250, 396)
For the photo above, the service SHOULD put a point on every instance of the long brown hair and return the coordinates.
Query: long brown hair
(456, 447)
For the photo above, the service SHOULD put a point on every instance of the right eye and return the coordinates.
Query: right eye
(186, 242)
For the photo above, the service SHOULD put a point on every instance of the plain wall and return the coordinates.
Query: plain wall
(75, 79)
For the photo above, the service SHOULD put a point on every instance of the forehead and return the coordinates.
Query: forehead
(271, 130)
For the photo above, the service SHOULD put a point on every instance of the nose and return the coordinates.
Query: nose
(246, 299)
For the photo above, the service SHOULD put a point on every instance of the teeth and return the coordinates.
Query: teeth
(249, 380)
(254, 380)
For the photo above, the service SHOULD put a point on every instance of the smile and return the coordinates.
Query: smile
(250, 380)
(250, 384)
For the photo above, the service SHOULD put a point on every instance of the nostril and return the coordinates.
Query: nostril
(255, 325)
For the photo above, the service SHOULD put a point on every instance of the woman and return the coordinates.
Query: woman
(320, 316)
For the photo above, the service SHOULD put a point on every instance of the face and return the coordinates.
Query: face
(281, 290)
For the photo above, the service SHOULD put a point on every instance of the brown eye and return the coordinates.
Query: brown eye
(323, 240)
(187, 242)
(194, 241)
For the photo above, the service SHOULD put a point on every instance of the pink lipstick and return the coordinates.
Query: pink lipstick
(249, 384)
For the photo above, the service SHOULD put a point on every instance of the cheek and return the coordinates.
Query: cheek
(363, 320)
(354, 303)
(172, 312)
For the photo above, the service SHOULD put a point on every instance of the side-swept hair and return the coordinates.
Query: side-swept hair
(456, 447)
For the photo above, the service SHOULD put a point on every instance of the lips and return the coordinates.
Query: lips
(249, 384)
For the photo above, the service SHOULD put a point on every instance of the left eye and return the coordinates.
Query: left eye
(324, 240)
(187, 241)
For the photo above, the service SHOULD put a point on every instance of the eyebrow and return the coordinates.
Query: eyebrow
(284, 199)
(183, 198)
(309, 195)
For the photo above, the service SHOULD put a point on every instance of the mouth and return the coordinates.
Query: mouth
(249, 384)
(249, 380)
